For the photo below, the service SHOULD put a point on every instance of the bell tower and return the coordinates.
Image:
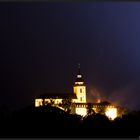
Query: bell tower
(79, 88)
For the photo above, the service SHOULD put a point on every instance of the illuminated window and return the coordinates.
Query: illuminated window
(80, 98)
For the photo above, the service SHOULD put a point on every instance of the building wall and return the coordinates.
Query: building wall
(81, 111)
(80, 92)
(39, 102)
(111, 113)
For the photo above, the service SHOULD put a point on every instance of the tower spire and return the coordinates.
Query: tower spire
(79, 71)
(79, 79)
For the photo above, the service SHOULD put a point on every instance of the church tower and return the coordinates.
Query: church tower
(79, 88)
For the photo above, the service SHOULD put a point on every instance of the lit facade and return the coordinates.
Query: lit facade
(111, 113)
(81, 111)
(39, 102)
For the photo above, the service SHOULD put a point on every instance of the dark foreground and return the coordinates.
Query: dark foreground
(50, 122)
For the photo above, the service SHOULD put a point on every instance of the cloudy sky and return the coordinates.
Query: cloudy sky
(42, 43)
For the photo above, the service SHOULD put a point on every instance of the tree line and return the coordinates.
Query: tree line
(51, 122)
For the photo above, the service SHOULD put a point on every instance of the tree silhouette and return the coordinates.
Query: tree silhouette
(51, 102)
(90, 110)
(67, 104)
(101, 109)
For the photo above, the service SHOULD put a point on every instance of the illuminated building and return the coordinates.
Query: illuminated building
(77, 100)
(53, 98)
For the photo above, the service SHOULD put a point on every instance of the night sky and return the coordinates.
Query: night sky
(41, 45)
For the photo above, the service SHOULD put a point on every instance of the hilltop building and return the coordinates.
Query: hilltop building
(77, 100)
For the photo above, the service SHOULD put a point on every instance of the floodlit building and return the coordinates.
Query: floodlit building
(77, 100)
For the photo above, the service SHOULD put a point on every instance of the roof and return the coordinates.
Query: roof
(79, 79)
(59, 95)
(95, 104)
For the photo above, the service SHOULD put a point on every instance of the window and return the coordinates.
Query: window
(80, 90)
(80, 98)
